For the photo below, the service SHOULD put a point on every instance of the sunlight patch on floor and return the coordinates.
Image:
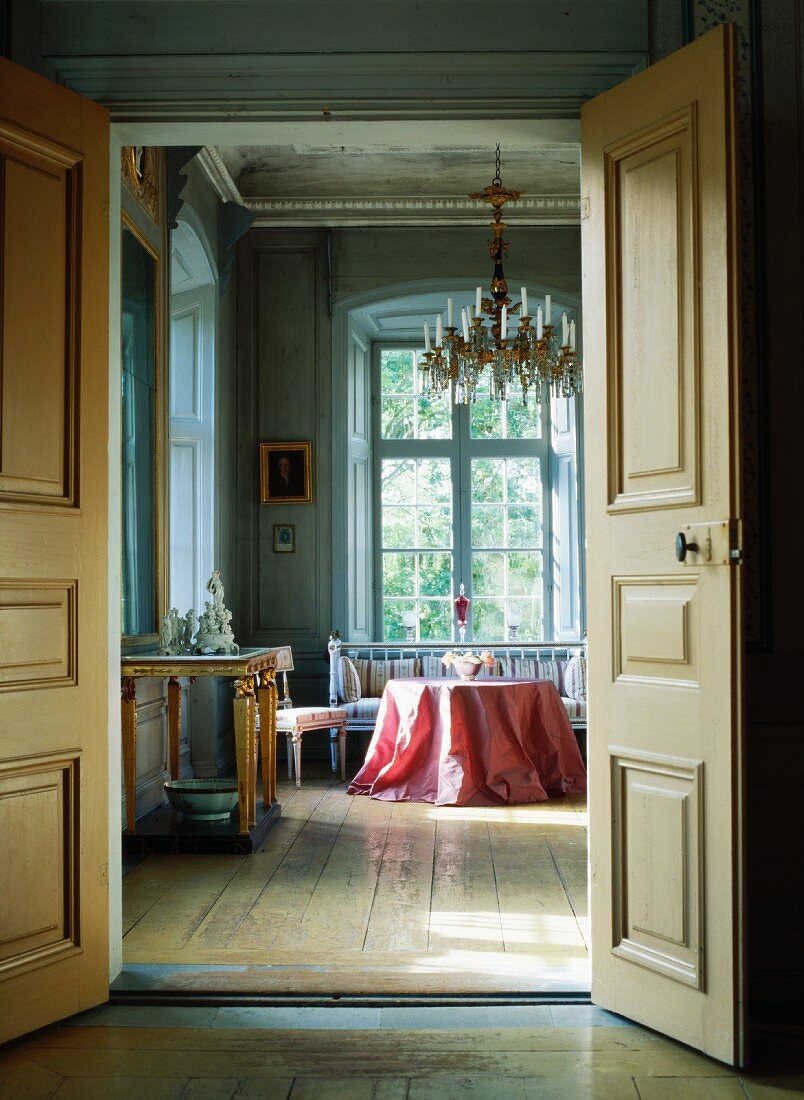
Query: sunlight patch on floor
(570, 966)
(544, 930)
(510, 815)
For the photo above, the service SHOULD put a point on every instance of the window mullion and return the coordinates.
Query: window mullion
(463, 521)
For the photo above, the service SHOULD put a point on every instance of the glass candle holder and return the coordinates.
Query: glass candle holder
(409, 623)
(514, 622)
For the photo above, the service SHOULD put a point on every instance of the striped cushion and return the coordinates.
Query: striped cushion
(374, 675)
(348, 681)
(575, 678)
(530, 669)
(364, 711)
(287, 720)
(576, 708)
(433, 668)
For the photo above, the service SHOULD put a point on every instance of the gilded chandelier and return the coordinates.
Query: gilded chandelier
(536, 357)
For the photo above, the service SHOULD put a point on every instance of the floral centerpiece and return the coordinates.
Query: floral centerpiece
(467, 664)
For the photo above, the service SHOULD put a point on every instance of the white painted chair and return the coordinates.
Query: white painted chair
(294, 722)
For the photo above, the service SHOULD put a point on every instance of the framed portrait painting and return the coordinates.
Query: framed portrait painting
(286, 473)
(284, 538)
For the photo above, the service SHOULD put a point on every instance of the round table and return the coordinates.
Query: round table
(484, 742)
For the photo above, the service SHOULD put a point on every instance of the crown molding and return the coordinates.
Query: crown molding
(218, 175)
(253, 87)
(531, 210)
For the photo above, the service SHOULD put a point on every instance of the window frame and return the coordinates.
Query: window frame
(460, 450)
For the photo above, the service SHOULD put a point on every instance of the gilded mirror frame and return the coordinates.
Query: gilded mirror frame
(129, 223)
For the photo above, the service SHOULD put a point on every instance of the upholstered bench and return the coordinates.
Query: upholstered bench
(296, 721)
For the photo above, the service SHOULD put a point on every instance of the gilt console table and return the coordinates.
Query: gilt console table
(254, 674)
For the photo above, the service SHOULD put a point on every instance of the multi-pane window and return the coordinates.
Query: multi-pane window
(460, 496)
(417, 543)
(405, 414)
(507, 558)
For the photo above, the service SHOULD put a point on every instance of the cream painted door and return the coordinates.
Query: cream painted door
(54, 180)
(661, 333)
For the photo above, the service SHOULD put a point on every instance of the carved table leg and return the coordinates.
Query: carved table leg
(266, 701)
(342, 751)
(244, 722)
(272, 709)
(174, 725)
(129, 726)
(252, 760)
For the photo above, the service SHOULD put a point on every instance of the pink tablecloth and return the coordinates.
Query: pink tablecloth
(485, 742)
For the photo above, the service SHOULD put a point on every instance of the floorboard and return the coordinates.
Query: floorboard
(358, 895)
(439, 1056)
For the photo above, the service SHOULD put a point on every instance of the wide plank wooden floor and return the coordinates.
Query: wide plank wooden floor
(214, 1062)
(353, 895)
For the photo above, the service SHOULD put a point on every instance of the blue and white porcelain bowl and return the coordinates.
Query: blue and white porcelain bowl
(203, 799)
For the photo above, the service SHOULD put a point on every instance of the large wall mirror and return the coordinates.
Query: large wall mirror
(142, 409)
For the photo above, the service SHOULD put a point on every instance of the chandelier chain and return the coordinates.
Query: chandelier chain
(497, 181)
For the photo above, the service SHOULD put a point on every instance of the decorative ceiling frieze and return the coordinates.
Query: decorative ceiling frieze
(531, 210)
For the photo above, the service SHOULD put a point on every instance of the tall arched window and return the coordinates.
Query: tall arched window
(192, 423)
(439, 494)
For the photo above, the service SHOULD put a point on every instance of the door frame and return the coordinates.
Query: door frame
(221, 129)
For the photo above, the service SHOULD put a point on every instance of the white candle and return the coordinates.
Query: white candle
(564, 330)
(427, 337)
(539, 323)
(449, 313)
(478, 296)
(439, 331)
(504, 323)
(465, 321)
(572, 335)
(548, 309)
(524, 294)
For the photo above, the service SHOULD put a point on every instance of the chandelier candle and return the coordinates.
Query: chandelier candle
(530, 357)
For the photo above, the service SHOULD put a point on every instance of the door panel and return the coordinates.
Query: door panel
(652, 316)
(661, 357)
(54, 173)
(41, 192)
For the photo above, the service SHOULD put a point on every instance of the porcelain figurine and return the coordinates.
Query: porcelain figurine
(215, 633)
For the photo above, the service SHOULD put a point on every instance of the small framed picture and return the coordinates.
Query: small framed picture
(284, 538)
(286, 473)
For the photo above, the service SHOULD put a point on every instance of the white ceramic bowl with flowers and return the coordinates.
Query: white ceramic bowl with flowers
(468, 663)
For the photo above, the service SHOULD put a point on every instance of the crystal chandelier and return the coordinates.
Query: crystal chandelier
(534, 357)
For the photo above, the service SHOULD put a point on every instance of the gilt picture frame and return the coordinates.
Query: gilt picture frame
(286, 475)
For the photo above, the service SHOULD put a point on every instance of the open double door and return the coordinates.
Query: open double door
(661, 346)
